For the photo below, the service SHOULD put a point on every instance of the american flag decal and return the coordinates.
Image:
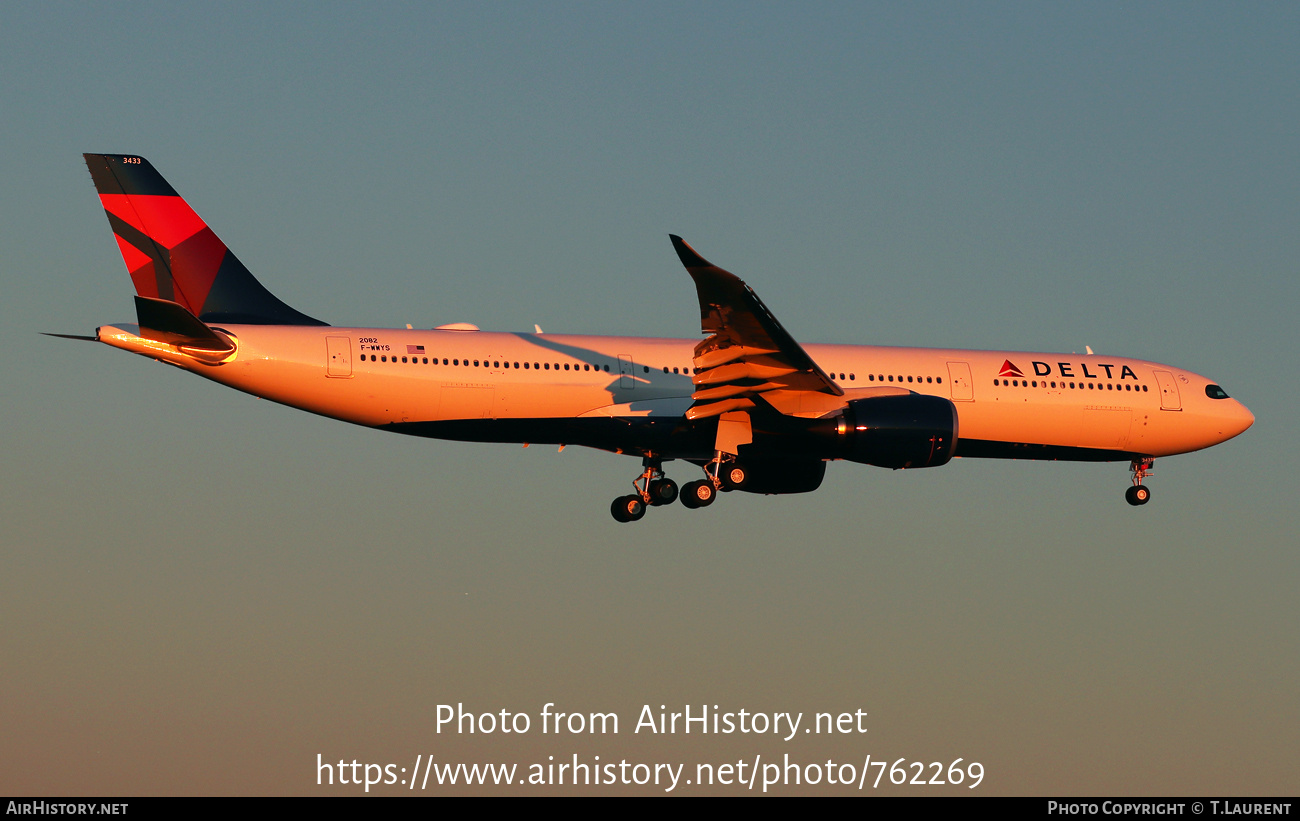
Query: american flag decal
(416, 349)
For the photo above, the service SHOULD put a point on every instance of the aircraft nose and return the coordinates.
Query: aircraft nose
(1237, 419)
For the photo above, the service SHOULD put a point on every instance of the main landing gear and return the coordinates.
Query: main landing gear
(653, 489)
(1140, 494)
(699, 493)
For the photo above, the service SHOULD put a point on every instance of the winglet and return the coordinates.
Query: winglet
(687, 254)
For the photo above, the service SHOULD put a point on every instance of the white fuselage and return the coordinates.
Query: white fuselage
(379, 377)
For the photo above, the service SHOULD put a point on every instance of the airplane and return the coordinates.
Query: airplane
(750, 406)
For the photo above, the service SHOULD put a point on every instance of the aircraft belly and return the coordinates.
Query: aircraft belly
(1168, 432)
(1105, 427)
(531, 400)
(1018, 421)
(1047, 421)
(353, 400)
(464, 401)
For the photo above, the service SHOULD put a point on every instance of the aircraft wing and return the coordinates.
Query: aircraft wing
(747, 352)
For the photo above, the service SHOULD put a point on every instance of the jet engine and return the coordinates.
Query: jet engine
(908, 431)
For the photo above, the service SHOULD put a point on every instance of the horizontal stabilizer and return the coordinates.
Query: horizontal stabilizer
(165, 321)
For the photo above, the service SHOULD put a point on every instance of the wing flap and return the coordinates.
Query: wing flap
(706, 410)
(746, 369)
(725, 355)
(728, 391)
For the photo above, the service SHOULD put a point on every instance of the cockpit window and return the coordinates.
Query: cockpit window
(1215, 392)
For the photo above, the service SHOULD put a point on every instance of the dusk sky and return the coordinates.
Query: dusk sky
(201, 592)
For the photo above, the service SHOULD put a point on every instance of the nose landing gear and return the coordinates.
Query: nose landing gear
(1139, 494)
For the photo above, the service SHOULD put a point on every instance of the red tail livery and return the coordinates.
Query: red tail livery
(173, 255)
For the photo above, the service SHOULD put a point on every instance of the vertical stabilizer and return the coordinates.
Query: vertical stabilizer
(173, 255)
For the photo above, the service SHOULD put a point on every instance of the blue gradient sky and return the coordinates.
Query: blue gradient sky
(200, 591)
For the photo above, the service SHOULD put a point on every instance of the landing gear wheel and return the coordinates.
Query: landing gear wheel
(627, 508)
(663, 492)
(1138, 495)
(1140, 468)
(700, 493)
(733, 477)
(688, 496)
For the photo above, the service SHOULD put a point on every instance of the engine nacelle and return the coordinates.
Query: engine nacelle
(912, 431)
(774, 475)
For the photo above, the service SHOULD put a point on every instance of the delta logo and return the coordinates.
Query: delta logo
(1066, 369)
